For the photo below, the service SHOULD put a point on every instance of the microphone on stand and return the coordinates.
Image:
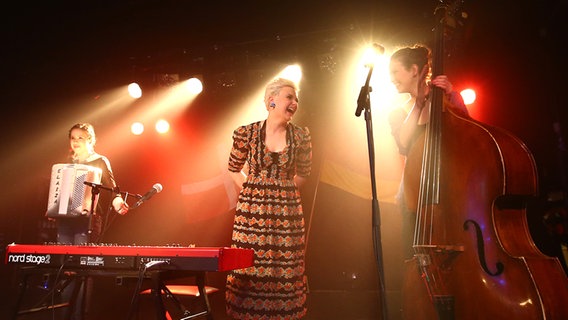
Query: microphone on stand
(95, 185)
(92, 184)
(380, 50)
(363, 101)
(156, 188)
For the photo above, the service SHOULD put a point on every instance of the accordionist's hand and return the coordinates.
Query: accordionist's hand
(120, 205)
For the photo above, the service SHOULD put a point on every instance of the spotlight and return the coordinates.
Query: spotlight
(194, 86)
(137, 128)
(468, 96)
(134, 90)
(162, 126)
(292, 72)
(372, 55)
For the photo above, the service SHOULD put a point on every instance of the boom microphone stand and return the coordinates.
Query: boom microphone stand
(364, 103)
(95, 190)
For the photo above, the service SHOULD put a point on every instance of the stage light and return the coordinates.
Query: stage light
(292, 72)
(382, 93)
(372, 55)
(162, 126)
(134, 90)
(194, 86)
(137, 128)
(468, 96)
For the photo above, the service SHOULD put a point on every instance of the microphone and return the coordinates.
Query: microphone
(92, 184)
(363, 101)
(380, 50)
(156, 188)
(96, 186)
(376, 50)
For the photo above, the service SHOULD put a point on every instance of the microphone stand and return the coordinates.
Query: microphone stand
(364, 104)
(95, 189)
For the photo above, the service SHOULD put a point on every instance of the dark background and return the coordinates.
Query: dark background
(509, 51)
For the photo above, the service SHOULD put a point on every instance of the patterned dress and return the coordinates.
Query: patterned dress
(269, 219)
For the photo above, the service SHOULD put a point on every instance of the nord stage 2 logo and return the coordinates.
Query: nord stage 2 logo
(36, 259)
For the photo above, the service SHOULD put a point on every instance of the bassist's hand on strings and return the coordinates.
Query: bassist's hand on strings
(444, 83)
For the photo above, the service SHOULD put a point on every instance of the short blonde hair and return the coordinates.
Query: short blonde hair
(274, 86)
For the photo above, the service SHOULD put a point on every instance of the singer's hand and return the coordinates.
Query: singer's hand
(120, 205)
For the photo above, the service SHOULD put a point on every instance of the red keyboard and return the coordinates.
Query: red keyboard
(130, 257)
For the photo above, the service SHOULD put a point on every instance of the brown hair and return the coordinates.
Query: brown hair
(418, 55)
(88, 128)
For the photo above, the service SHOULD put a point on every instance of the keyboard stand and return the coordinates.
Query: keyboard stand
(160, 292)
(64, 277)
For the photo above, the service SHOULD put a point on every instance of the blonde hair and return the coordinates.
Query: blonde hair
(274, 86)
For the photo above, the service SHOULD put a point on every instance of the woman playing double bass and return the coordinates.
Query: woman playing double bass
(410, 73)
(464, 195)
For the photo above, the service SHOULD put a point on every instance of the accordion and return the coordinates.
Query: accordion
(69, 196)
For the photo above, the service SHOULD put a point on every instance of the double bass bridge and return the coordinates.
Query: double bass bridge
(433, 261)
(439, 255)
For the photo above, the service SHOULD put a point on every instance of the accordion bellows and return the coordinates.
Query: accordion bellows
(69, 196)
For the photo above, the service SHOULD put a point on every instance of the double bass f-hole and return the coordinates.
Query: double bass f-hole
(481, 250)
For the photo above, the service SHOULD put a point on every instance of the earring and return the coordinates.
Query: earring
(272, 105)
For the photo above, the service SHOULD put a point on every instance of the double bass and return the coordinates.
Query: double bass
(474, 257)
